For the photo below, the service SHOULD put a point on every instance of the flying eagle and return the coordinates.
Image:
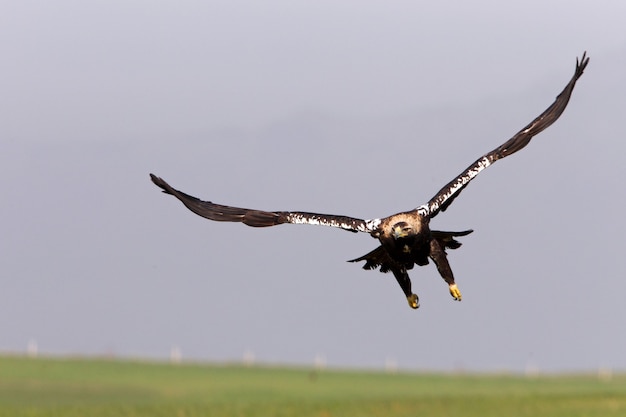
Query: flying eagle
(405, 238)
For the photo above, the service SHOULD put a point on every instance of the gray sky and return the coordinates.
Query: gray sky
(359, 108)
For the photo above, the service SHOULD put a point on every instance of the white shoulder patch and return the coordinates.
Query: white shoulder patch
(341, 222)
(459, 183)
(372, 224)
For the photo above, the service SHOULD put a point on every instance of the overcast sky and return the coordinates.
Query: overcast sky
(362, 108)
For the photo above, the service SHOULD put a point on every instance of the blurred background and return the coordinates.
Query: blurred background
(361, 108)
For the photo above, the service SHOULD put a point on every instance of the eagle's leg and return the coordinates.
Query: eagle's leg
(405, 283)
(438, 255)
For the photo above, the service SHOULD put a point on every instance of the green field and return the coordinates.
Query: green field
(89, 387)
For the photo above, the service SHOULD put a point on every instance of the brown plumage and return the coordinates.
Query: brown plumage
(405, 238)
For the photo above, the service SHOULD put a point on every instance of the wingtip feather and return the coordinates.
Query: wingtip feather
(581, 64)
(160, 182)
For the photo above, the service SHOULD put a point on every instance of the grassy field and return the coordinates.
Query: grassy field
(82, 387)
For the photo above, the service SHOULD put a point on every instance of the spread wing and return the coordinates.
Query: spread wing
(259, 218)
(450, 191)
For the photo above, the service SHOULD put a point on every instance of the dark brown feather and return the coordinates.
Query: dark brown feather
(446, 239)
(221, 213)
(260, 218)
(442, 200)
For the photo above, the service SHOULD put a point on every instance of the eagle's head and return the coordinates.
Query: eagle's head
(402, 230)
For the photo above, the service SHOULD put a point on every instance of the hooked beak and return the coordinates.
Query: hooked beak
(398, 232)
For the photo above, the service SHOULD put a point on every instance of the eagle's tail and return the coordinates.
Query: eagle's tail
(447, 239)
(374, 259)
(380, 258)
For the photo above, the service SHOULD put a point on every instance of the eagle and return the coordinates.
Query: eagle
(405, 238)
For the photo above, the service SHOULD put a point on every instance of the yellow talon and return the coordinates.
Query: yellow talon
(413, 301)
(454, 292)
